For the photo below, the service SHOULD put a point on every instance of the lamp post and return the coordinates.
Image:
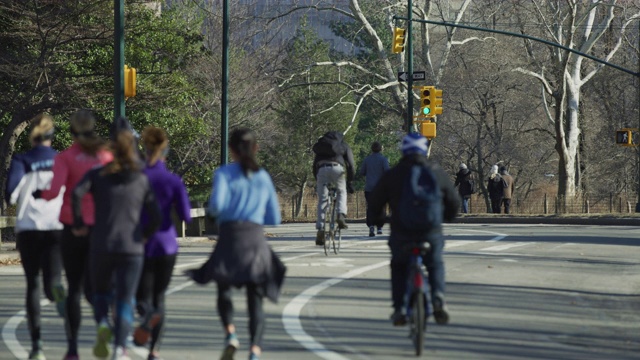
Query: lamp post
(118, 59)
(224, 122)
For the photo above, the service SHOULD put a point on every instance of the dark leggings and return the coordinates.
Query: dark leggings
(254, 305)
(39, 250)
(75, 258)
(115, 277)
(154, 280)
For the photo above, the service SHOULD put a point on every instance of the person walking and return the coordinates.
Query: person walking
(243, 199)
(38, 229)
(161, 248)
(332, 161)
(466, 186)
(387, 191)
(495, 187)
(86, 152)
(121, 192)
(508, 189)
(373, 166)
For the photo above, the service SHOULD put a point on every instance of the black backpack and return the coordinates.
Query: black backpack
(420, 207)
(329, 145)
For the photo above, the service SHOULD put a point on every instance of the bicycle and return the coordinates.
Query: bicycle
(331, 212)
(417, 308)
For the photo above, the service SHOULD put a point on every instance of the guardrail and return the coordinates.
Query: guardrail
(199, 224)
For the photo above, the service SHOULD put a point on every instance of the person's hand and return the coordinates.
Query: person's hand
(350, 188)
(37, 194)
(81, 231)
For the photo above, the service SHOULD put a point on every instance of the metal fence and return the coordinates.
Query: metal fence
(533, 205)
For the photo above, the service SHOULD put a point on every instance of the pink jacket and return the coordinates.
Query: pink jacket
(68, 169)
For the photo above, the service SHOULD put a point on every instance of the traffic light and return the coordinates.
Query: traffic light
(398, 40)
(129, 81)
(623, 137)
(426, 96)
(436, 102)
(428, 129)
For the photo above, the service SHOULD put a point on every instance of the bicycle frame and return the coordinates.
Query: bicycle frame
(417, 279)
(330, 217)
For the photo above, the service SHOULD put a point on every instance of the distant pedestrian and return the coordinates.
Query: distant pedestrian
(87, 151)
(508, 189)
(121, 192)
(372, 169)
(466, 186)
(495, 186)
(161, 248)
(243, 199)
(38, 229)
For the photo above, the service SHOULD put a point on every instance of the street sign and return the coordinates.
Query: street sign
(417, 75)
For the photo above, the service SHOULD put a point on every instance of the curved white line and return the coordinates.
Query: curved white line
(9, 333)
(291, 313)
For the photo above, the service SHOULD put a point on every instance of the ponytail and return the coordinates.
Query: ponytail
(243, 142)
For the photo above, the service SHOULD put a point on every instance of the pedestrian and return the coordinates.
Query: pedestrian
(87, 151)
(388, 191)
(373, 166)
(495, 186)
(121, 192)
(332, 165)
(466, 186)
(161, 248)
(243, 199)
(38, 228)
(508, 189)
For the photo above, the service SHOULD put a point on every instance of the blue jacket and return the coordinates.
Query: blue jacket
(373, 167)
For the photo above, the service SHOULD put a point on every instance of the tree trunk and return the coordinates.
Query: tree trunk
(8, 140)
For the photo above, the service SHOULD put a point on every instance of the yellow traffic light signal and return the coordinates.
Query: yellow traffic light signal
(129, 81)
(398, 40)
(428, 129)
(436, 102)
(426, 96)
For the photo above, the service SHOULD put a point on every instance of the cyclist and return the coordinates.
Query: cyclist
(414, 151)
(332, 156)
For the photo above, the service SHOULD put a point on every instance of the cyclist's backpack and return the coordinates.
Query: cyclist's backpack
(329, 145)
(420, 207)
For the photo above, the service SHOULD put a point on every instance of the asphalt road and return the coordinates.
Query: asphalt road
(514, 292)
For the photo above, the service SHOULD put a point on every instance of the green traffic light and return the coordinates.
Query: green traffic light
(426, 111)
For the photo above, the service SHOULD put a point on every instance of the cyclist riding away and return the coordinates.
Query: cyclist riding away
(332, 158)
(390, 190)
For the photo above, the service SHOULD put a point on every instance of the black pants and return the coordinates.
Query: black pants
(154, 280)
(495, 205)
(254, 305)
(75, 258)
(115, 277)
(39, 250)
(370, 220)
(507, 205)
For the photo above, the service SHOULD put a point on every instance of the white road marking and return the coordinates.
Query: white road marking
(291, 313)
(9, 333)
(506, 246)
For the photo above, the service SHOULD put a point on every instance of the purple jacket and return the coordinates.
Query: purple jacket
(170, 191)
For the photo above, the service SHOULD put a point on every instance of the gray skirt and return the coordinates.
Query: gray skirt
(242, 256)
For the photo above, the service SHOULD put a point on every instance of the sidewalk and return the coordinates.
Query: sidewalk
(9, 254)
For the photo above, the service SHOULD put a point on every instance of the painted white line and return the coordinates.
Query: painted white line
(9, 333)
(456, 243)
(505, 246)
(291, 313)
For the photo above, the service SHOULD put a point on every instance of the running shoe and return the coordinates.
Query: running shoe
(103, 337)
(379, 231)
(342, 221)
(60, 298)
(372, 232)
(143, 332)
(231, 344)
(71, 357)
(440, 311)
(120, 354)
(37, 354)
(398, 318)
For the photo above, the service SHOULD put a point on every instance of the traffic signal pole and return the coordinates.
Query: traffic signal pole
(118, 59)
(409, 122)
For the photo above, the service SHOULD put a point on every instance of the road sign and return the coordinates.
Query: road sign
(417, 75)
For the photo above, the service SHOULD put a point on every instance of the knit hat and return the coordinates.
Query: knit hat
(494, 169)
(503, 168)
(463, 167)
(414, 143)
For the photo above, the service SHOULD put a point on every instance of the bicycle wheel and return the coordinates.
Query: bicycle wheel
(327, 242)
(337, 236)
(327, 232)
(417, 321)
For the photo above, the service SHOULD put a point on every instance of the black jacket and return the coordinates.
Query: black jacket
(346, 158)
(389, 190)
(464, 183)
